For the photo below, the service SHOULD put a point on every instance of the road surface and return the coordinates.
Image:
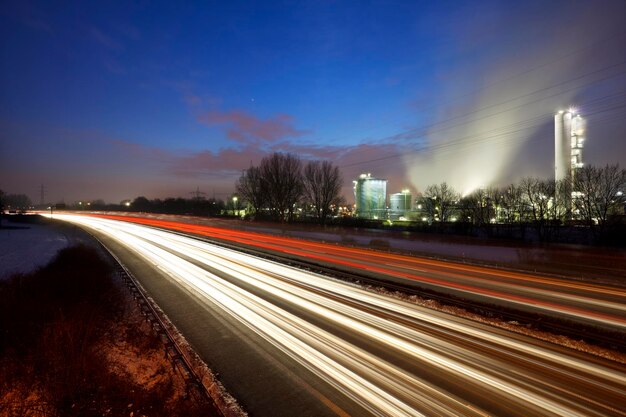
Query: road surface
(289, 342)
(598, 305)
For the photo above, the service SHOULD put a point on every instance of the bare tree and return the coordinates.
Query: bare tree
(561, 209)
(600, 191)
(543, 209)
(250, 187)
(477, 206)
(282, 180)
(322, 186)
(537, 193)
(512, 204)
(442, 198)
(19, 202)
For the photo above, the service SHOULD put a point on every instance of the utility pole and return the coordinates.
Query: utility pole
(198, 194)
(42, 193)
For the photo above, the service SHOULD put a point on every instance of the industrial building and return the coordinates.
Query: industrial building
(370, 197)
(400, 204)
(569, 137)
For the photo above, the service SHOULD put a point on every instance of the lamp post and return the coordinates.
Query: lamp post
(235, 205)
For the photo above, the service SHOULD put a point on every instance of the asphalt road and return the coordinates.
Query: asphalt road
(583, 302)
(288, 342)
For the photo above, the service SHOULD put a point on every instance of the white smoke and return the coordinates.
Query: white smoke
(503, 130)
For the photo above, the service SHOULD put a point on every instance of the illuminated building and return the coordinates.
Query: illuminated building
(370, 197)
(400, 204)
(569, 136)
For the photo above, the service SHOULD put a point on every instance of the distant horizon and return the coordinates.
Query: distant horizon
(118, 100)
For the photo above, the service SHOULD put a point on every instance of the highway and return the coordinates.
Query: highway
(290, 342)
(582, 302)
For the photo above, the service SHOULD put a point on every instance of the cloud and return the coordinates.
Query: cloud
(501, 128)
(222, 168)
(247, 128)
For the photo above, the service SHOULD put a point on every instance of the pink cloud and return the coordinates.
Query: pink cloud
(244, 127)
(222, 163)
(226, 165)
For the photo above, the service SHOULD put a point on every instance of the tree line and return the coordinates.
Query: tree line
(282, 185)
(196, 206)
(542, 203)
(283, 188)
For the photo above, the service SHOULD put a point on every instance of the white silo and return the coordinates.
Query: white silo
(569, 137)
(370, 197)
(400, 203)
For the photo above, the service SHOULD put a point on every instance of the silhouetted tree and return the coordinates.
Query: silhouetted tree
(543, 209)
(141, 204)
(322, 186)
(442, 198)
(250, 187)
(536, 194)
(512, 203)
(20, 202)
(601, 193)
(282, 179)
(477, 205)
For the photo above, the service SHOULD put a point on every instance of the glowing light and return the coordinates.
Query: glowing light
(368, 379)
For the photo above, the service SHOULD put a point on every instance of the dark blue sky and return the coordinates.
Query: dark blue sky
(116, 100)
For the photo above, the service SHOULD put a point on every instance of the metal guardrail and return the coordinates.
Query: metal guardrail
(195, 388)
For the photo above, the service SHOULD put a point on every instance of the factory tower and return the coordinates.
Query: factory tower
(569, 136)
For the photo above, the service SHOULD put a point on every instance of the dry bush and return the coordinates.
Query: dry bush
(56, 330)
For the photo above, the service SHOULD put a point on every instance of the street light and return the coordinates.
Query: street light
(235, 205)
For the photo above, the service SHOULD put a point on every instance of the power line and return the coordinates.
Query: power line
(576, 51)
(460, 144)
(42, 193)
(198, 194)
(493, 114)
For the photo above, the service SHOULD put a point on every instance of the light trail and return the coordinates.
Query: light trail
(593, 303)
(388, 356)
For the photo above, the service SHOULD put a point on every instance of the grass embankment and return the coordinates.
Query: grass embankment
(73, 344)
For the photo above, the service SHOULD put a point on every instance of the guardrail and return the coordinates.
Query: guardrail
(196, 388)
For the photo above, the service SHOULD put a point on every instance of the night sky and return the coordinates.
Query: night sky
(105, 100)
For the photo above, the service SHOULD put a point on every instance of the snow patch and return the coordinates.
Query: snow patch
(26, 247)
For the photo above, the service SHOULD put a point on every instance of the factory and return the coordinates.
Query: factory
(400, 204)
(370, 197)
(569, 137)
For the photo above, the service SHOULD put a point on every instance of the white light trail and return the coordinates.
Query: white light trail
(241, 286)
